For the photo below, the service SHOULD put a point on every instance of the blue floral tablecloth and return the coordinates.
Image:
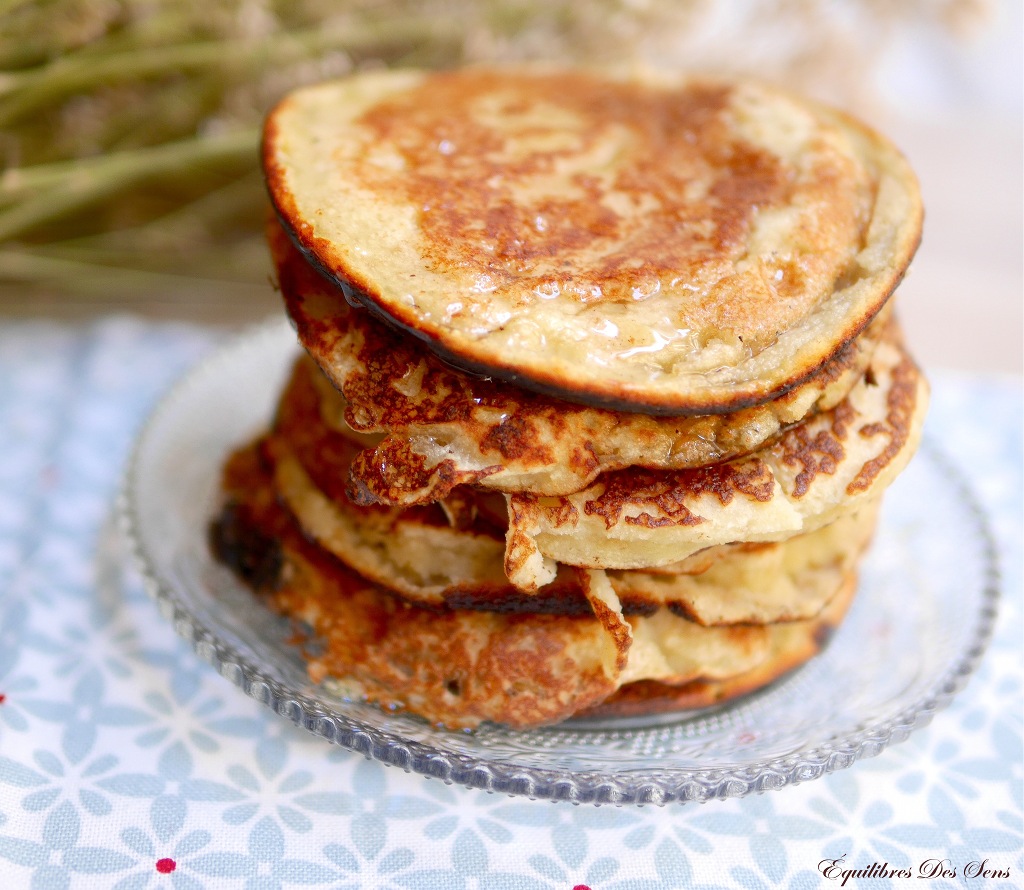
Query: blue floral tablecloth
(126, 762)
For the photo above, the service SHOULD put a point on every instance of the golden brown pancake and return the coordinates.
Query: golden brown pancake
(648, 243)
(424, 553)
(604, 387)
(832, 464)
(459, 667)
(437, 428)
(430, 557)
(791, 645)
(768, 583)
(435, 566)
(455, 667)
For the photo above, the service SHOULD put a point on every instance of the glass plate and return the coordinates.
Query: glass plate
(916, 631)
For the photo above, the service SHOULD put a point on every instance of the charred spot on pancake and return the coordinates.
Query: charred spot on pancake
(823, 634)
(238, 542)
(244, 534)
(752, 478)
(816, 455)
(512, 437)
(671, 494)
(388, 473)
(638, 606)
(901, 402)
(682, 610)
(554, 599)
(636, 488)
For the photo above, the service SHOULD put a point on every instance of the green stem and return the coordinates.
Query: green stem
(106, 281)
(70, 74)
(69, 186)
(191, 230)
(8, 6)
(217, 259)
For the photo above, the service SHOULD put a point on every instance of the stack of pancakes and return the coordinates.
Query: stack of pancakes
(602, 389)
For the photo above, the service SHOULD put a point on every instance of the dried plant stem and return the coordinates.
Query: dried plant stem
(105, 281)
(176, 231)
(7, 6)
(79, 72)
(66, 186)
(150, 260)
(17, 182)
(246, 194)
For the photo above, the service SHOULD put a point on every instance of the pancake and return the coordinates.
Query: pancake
(398, 548)
(649, 243)
(454, 667)
(433, 566)
(460, 667)
(436, 428)
(430, 558)
(769, 583)
(830, 465)
(791, 645)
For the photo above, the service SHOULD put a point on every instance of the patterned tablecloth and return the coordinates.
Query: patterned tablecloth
(126, 762)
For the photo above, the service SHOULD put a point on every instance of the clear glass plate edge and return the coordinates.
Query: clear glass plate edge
(658, 787)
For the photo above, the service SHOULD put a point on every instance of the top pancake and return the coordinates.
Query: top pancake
(442, 428)
(665, 246)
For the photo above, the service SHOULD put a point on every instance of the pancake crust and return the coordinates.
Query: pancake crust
(459, 667)
(768, 583)
(433, 557)
(792, 645)
(645, 243)
(393, 546)
(830, 465)
(437, 428)
(452, 667)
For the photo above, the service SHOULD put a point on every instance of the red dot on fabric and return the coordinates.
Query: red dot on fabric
(581, 887)
(3, 698)
(166, 866)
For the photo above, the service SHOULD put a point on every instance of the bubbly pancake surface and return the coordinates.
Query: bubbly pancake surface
(442, 427)
(665, 246)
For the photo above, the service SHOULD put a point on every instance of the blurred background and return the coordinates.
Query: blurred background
(129, 131)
